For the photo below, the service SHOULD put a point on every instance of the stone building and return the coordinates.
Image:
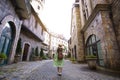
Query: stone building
(100, 29)
(32, 35)
(77, 51)
(69, 48)
(116, 19)
(55, 40)
(18, 20)
(46, 43)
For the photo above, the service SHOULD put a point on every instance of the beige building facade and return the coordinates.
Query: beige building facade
(55, 40)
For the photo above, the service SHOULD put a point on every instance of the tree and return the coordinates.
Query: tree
(41, 53)
(36, 51)
(19, 49)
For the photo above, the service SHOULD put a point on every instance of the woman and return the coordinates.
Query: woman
(58, 59)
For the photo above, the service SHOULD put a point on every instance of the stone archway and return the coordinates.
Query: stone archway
(75, 52)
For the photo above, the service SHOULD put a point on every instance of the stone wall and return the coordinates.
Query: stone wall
(74, 39)
(102, 27)
(31, 41)
(116, 19)
(116, 23)
(7, 14)
(76, 36)
(33, 25)
(80, 44)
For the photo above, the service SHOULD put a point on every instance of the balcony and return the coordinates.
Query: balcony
(30, 33)
(22, 8)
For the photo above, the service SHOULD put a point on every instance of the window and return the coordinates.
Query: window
(2, 39)
(35, 24)
(42, 31)
(38, 7)
(5, 38)
(76, 0)
(91, 47)
(85, 10)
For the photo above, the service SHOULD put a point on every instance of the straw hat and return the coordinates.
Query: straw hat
(60, 46)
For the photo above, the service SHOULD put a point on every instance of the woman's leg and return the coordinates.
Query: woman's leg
(59, 71)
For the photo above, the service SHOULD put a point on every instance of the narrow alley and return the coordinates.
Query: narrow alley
(44, 70)
(33, 32)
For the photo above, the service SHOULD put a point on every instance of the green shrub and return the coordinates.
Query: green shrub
(44, 57)
(69, 55)
(41, 53)
(3, 56)
(36, 51)
(72, 59)
(19, 48)
(91, 56)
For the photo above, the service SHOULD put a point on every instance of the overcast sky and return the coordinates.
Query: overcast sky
(56, 16)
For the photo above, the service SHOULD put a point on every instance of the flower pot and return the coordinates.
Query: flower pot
(17, 58)
(92, 63)
(1, 61)
(35, 58)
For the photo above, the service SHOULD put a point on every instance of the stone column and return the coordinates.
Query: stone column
(109, 39)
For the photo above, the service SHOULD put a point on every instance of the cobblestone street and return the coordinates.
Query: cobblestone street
(44, 70)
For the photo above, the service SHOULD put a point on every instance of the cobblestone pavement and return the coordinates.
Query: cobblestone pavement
(19, 71)
(44, 70)
(70, 72)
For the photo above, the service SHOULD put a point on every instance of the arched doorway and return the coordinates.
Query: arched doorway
(75, 52)
(6, 39)
(25, 52)
(93, 47)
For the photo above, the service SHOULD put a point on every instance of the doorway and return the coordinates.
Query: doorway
(25, 52)
(75, 52)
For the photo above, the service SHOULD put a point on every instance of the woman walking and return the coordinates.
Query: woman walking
(58, 59)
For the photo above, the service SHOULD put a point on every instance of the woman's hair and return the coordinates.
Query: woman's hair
(59, 49)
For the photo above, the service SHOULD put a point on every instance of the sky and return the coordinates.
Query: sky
(56, 16)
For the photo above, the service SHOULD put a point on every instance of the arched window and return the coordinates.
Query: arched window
(91, 47)
(5, 38)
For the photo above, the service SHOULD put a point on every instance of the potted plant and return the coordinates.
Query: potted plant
(35, 54)
(18, 52)
(3, 57)
(91, 60)
(72, 59)
(41, 54)
(19, 48)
